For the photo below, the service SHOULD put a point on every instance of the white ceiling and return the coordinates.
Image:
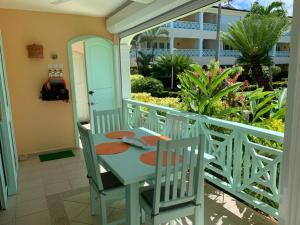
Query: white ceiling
(80, 7)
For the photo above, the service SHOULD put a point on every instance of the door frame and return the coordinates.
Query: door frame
(72, 79)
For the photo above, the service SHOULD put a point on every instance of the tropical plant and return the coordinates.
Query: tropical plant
(135, 42)
(169, 66)
(254, 37)
(152, 36)
(276, 8)
(143, 63)
(147, 84)
(267, 104)
(201, 90)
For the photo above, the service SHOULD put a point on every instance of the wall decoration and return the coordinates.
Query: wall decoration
(35, 51)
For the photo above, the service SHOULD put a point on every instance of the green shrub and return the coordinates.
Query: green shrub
(147, 84)
(135, 77)
(146, 97)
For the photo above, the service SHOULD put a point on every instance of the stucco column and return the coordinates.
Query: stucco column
(274, 51)
(289, 207)
(200, 46)
(125, 69)
(171, 43)
(200, 19)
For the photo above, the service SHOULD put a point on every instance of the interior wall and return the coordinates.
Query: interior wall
(40, 125)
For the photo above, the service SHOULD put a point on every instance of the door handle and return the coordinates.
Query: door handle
(91, 103)
(91, 92)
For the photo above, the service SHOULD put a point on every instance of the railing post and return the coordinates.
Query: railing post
(237, 161)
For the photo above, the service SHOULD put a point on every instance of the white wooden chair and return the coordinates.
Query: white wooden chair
(103, 186)
(107, 120)
(179, 196)
(176, 127)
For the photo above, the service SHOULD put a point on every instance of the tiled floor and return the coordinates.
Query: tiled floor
(57, 193)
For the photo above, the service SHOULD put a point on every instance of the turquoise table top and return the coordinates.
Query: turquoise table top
(127, 165)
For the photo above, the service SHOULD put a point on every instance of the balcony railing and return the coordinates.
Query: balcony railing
(230, 53)
(188, 52)
(187, 25)
(282, 53)
(199, 53)
(243, 166)
(208, 52)
(209, 27)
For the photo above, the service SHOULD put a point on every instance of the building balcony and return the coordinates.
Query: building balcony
(188, 52)
(282, 54)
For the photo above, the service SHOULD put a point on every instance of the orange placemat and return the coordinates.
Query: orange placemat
(120, 134)
(152, 140)
(149, 158)
(110, 148)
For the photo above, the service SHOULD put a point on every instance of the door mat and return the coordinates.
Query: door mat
(56, 155)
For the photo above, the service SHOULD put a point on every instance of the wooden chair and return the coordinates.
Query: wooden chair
(179, 196)
(103, 186)
(176, 127)
(107, 121)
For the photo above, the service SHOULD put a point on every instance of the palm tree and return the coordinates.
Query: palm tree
(135, 42)
(254, 36)
(152, 36)
(276, 8)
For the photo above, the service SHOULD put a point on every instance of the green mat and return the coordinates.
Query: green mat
(56, 155)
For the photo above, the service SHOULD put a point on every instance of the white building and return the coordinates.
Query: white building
(195, 36)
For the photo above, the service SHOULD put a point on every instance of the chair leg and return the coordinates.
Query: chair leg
(199, 216)
(103, 215)
(143, 216)
(93, 197)
(155, 220)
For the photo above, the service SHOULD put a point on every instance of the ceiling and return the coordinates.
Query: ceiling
(101, 8)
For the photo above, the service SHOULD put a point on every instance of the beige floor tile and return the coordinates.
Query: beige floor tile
(8, 216)
(79, 182)
(80, 198)
(41, 218)
(86, 217)
(74, 209)
(58, 187)
(30, 207)
(75, 223)
(27, 194)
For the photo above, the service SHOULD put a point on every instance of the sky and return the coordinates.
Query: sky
(246, 4)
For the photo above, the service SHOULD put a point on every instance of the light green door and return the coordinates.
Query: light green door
(9, 153)
(99, 59)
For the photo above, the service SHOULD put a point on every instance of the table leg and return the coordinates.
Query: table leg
(132, 204)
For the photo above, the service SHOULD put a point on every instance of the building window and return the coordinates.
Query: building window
(148, 45)
(161, 45)
(168, 45)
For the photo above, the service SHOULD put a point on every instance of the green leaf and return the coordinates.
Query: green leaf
(266, 101)
(225, 91)
(219, 80)
(197, 82)
(264, 111)
(225, 112)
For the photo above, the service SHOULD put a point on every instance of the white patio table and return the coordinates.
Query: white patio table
(131, 171)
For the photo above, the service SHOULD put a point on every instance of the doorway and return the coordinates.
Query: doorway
(92, 78)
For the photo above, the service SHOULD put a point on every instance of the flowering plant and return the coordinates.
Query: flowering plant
(201, 89)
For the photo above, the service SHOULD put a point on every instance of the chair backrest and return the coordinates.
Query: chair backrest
(90, 157)
(180, 163)
(107, 121)
(176, 127)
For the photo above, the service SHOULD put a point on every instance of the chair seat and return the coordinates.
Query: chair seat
(110, 181)
(148, 196)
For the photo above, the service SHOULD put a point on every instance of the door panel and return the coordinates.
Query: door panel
(100, 75)
(80, 87)
(9, 153)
